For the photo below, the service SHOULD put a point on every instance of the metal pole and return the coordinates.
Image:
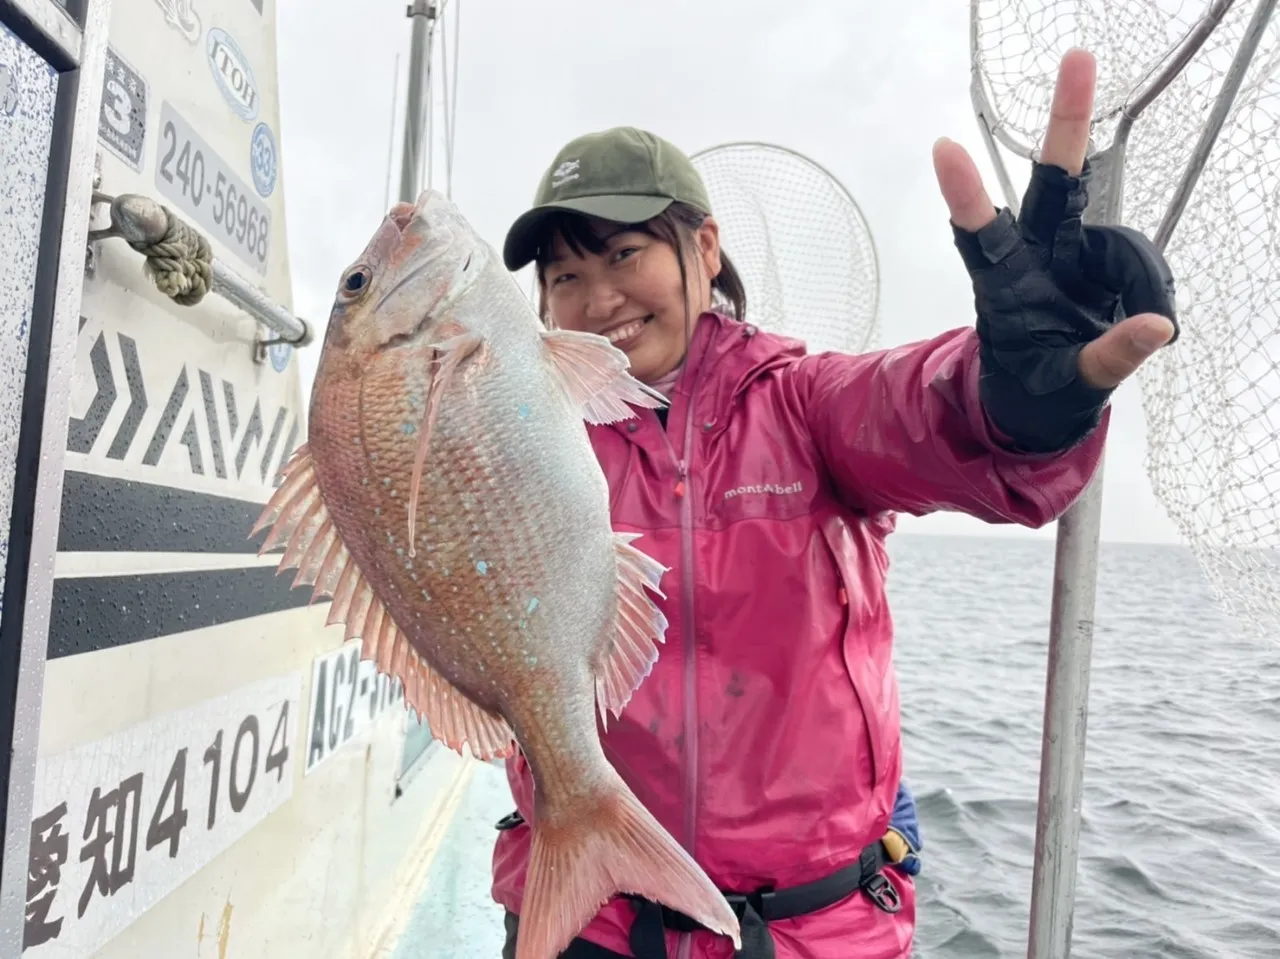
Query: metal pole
(423, 14)
(1066, 704)
(429, 109)
(233, 288)
(1075, 573)
(142, 222)
(391, 137)
(1217, 117)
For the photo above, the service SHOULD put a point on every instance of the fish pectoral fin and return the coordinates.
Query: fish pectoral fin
(299, 520)
(447, 357)
(641, 626)
(594, 373)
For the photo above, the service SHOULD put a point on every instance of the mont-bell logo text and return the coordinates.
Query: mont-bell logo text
(770, 489)
(233, 74)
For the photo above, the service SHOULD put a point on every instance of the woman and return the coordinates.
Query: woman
(767, 737)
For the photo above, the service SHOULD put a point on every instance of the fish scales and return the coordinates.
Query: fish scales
(483, 509)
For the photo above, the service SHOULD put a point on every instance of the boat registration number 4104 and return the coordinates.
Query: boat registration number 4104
(120, 822)
(203, 185)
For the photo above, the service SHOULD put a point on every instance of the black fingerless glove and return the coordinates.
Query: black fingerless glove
(1044, 285)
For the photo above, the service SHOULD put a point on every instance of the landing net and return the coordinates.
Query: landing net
(799, 241)
(1212, 401)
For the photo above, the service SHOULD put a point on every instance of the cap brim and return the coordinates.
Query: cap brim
(521, 245)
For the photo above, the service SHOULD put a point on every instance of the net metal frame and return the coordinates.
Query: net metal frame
(1211, 199)
(1200, 153)
(800, 242)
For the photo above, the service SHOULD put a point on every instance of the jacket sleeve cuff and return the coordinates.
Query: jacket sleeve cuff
(1037, 426)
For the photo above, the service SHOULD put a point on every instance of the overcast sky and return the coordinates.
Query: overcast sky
(863, 88)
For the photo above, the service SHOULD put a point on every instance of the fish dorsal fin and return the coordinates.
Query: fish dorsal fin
(641, 626)
(300, 521)
(594, 372)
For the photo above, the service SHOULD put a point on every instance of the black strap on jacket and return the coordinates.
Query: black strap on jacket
(754, 910)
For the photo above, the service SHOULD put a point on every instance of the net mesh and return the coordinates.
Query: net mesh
(800, 243)
(1212, 401)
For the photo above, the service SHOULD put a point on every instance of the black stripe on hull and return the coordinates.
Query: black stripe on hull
(104, 514)
(102, 612)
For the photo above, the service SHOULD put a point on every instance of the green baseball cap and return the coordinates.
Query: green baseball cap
(622, 174)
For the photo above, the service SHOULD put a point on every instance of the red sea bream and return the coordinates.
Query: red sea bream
(448, 500)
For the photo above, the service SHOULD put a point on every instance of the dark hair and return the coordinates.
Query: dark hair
(675, 226)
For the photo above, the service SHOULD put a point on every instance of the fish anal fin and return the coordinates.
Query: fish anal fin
(595, 374)
(453, 718)
(641, 625)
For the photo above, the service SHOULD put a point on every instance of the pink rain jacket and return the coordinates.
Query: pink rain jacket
(767, 737)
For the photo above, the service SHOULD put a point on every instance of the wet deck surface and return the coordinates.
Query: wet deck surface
(455, 916)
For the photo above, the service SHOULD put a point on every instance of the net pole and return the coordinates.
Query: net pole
(1066, 701)
(1222, 106)
(1066, 710)
(997, 161)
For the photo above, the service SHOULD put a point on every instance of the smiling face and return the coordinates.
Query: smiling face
(625, 283)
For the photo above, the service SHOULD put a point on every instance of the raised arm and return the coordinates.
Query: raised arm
(1006, 421)
(905, 430)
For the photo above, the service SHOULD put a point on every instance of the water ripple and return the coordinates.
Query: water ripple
(1180, 840)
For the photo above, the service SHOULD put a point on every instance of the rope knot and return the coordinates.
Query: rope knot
(181, 263)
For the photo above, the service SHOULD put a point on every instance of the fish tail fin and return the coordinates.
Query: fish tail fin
(609, 846)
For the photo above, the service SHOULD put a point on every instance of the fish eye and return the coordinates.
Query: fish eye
(355, 282)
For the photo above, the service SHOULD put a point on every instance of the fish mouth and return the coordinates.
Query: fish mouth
(406, 216)
(403, 213)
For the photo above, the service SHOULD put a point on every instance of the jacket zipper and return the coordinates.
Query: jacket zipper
(682, 490)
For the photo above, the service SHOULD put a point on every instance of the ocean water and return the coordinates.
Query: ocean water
(1180, 845)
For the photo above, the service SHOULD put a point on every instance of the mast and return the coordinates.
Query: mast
(424, 14)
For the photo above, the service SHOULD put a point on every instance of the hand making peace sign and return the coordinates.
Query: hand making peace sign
(1056, 299)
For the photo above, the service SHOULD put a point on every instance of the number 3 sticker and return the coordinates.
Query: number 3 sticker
(122, 121)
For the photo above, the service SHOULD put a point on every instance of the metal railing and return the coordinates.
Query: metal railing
(174, 247)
